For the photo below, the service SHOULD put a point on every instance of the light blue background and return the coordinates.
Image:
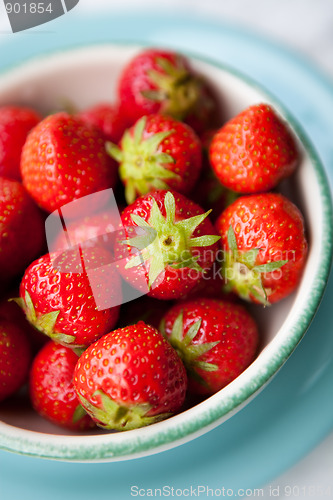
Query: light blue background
(295, 411)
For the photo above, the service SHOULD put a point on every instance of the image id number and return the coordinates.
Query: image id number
(28, 8)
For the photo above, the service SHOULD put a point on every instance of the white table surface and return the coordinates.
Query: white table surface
(304, 25)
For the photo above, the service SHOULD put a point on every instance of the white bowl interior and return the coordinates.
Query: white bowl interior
(86, 76)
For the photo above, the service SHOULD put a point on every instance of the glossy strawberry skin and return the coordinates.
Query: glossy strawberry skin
(52, 392)
(22, 234)
(64, 159)
(182, 146)
(273, 224)
(254, 151)
(69, 291)
(15, 124)
(135, 367)
(172, 283)
(229, 329)
(107, 117)
(15, 358)
(136, 82)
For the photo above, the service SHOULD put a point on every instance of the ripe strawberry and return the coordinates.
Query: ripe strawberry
(216, 340)
(62, 303)
(265, 247)
(130, 378)
(51, 388)
(254, 150)
(107, 117)
(158, 152)
(15, 358)
(178, 245)
(160, 81)
(22, 234)
(64, 159)
(15, 124)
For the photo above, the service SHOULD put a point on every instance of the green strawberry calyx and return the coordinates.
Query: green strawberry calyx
(176, 88)
(191, 354)
(143, 166)
(243, 275)
(174, 242)
(45, 323)
(113, 416)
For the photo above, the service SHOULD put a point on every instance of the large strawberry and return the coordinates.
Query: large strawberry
(216, 340)
(69, 300)
(64, 159)
(22, 234)
(51, 387)
(158, 152)
(15, 358)
(15, 124)
(179, 243)
(161, 81)
(130, 378)
(107, 117)
(253, 151)
(265, 247)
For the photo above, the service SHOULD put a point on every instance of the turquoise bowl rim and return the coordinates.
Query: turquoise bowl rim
(212, 412)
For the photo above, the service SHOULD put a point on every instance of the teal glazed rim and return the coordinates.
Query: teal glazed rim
(213, 411)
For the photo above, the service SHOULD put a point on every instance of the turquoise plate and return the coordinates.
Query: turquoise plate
(295, 411)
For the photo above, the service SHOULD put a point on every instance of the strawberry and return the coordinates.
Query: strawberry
(160, 81)
(62, 303)
(158, 152)
(64, 159)
(130, 378)
(22, 234)
(215, 339)
(15, 358)
(254, 151)
(265, 247)
(51, 388)
(178, 245)
(15, 124)
(107, 117)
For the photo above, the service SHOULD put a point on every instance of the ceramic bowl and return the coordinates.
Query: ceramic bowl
(85, 76)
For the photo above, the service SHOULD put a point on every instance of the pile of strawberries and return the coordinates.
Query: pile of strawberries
(204, 232)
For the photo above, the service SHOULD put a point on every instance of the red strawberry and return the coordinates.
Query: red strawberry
(130, 378)
(107, 117)
(22, 234)
(160, 81)
(158, 152)
(63, 305)
(15, 358)
(265, 247)
(51, 388)
(64, 159)
(254, 150)
(216, 340)
(179, 243)
(15, 124)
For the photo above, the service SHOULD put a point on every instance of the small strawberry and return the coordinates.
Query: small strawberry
(15, 358)
(216, 340)
(107, 117)
(64, 159)
(254, 151)
(22, 234)
(158, 152)
(15, 124)
(178, 245)
(130, 378)
(63, 305)
(264, 247)
(52, 391)
(160, 81)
